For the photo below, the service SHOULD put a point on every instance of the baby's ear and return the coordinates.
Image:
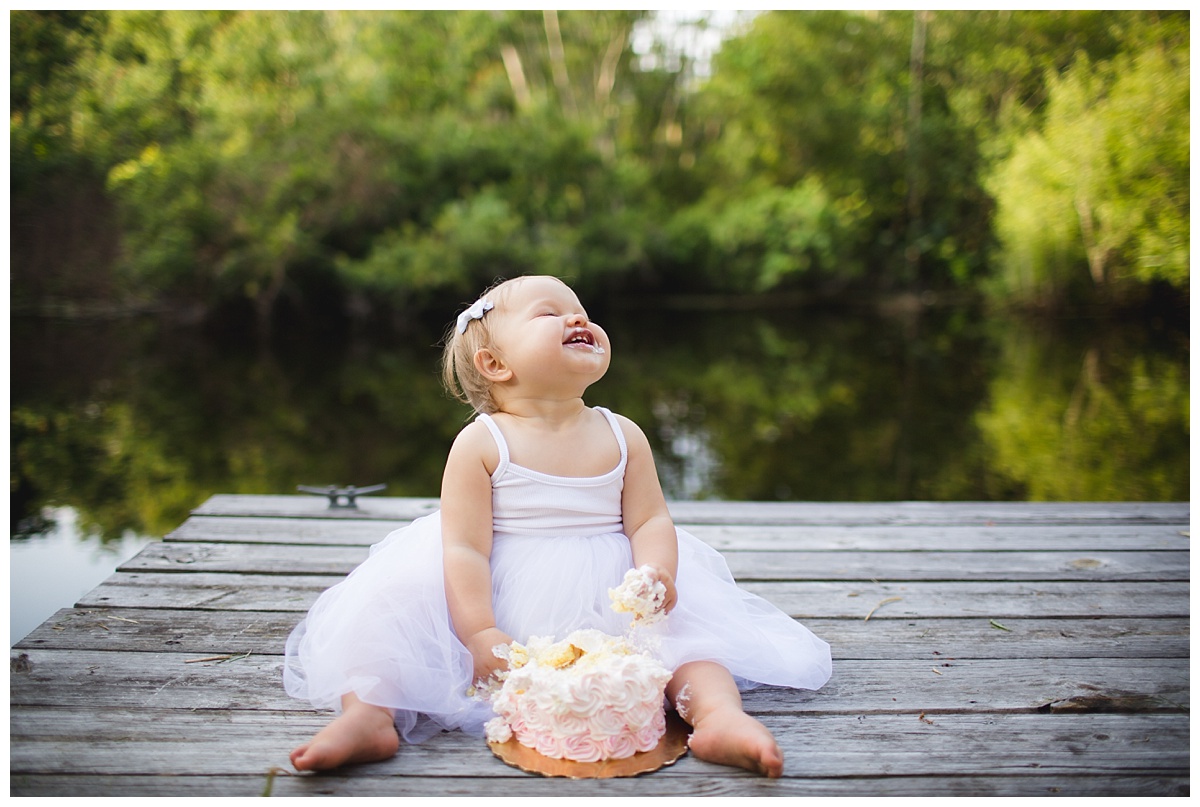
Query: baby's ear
(491, 366)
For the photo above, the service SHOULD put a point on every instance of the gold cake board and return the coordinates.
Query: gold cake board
(670, 748)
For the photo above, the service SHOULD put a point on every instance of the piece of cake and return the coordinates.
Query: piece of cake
(587, 698)
(640, 594)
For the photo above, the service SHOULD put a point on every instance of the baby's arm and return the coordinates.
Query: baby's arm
(466, 509)
(644, 511)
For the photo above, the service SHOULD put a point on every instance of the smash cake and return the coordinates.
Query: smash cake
(590, 696)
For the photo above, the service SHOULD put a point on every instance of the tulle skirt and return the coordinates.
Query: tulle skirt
(384, 633)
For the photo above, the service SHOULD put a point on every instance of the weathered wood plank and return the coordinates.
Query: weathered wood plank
(975, 600)
(279, 530)
(216, 591)
(214, 632)
(939, 685)
(1011, 538)
(79, 679)
(1025, 638)
(957, 538)
(985, 600)
(369, 507)
(136, 630)
(981, 514)
(264, 632)
(746, 566)
(360, 782)
(757, 513)
(48, 740)
(246, 558)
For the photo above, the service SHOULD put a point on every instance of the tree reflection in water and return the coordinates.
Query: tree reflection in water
(132, 423)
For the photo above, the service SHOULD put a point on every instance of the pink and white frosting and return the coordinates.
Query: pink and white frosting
(587, 698)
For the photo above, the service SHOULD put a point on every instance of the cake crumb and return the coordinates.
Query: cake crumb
(682, 701)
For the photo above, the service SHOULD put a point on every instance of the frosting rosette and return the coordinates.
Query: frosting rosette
(586, 698)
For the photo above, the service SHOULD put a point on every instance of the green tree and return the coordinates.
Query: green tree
(401, 157)
(1104, 186)
(1095, 200)
(415, 151)
(829, 131)
(45, 49)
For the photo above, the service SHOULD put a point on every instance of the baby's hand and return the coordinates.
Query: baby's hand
(647, 592)
(668, 581)
(481, 646)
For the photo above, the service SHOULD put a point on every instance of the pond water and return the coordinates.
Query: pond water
(119, 428)
(55, 568)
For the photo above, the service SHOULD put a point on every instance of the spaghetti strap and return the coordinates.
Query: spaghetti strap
(501, 444)
(616, 427)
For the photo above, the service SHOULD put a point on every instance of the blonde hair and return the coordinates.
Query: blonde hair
(459, 373)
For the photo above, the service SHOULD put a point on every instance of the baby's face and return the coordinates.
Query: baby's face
(545, 331)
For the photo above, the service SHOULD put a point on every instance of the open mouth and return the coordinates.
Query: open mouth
(582, 337)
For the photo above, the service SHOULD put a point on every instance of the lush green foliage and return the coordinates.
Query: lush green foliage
(399, 155)
(1100, 192)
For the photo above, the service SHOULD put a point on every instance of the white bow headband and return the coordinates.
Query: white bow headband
(476, 311)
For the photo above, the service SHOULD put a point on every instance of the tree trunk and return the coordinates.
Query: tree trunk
(264, 301)
(558, 62)
(916, 78)
(1097, 254)
(516, 76)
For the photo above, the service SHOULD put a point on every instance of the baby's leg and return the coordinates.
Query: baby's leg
(706, 696)
(361, 733)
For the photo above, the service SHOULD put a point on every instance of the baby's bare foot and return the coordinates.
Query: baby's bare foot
(363, 733)
(732, 737)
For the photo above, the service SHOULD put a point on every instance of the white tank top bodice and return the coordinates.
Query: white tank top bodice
(528, 502)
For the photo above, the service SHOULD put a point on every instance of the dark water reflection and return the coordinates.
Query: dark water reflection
(132, 423)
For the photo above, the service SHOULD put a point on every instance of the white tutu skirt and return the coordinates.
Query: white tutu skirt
(384, 633)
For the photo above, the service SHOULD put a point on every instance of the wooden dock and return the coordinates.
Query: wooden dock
(1010, 649)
